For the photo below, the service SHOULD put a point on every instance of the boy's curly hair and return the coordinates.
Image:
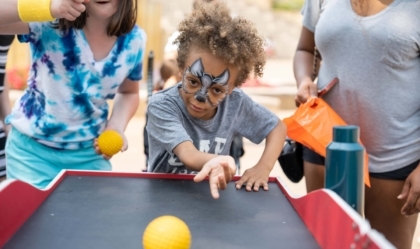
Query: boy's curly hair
(235, 40)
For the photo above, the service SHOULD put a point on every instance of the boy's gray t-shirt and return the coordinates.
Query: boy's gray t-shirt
(170, 124)
(376, 60)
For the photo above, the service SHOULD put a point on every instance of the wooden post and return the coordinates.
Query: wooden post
(149, 15)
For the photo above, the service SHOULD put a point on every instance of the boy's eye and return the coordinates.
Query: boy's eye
(217, 91)
(193, 82)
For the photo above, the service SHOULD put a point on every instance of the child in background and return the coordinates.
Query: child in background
(169, 74)
(192, 124)
(83, 54)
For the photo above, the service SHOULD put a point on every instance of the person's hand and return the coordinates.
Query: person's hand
(220, 170)
(67, 9)
(411, 192)
(254, 178)
(306, 90)
(123, 148)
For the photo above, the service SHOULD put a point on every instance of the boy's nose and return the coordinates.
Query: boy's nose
(200, 98)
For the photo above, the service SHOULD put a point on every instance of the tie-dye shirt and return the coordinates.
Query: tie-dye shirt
(65, 104)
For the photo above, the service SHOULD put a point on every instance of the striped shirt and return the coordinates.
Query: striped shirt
(5, 41)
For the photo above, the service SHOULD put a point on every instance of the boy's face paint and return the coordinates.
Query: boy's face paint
(208, 88)
(206, 82)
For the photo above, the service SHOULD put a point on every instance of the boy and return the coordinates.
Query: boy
(192, 124)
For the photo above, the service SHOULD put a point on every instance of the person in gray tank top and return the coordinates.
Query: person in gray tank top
(373, 48)
(191, 125)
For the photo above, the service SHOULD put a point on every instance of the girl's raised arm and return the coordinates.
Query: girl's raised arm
(14, 11)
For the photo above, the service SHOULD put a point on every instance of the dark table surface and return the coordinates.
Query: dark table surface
(113, 212)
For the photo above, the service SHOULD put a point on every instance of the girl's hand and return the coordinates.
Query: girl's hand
(306, 90)
(411, 192)
(123, 148)
(254, 178)
(220, 170)
(67, 9)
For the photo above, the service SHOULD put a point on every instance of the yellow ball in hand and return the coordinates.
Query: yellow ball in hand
(167, 232)
(110, 142)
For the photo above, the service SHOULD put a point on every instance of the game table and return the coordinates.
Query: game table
(96, 209)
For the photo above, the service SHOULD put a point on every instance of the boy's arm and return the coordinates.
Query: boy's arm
(256, 177)
(219, 169)
(258, 123)
(192, 158)
(273, 146)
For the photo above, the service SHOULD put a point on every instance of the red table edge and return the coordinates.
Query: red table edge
(345, 229)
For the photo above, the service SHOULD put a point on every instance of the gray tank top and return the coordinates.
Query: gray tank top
(377, 61)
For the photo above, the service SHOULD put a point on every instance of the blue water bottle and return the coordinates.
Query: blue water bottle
(344, 166)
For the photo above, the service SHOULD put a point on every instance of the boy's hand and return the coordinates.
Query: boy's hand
(67, 9)
(254, 178)
(220, 170)
(123, 148)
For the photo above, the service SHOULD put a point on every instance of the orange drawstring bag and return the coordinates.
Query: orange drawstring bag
(312, 126)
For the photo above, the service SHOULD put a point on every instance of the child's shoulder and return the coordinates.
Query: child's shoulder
(238, 92)
(237, 100)
(238, 95)
(137, 32)
(136, 38)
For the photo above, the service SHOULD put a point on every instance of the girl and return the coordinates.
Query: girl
(92, 53)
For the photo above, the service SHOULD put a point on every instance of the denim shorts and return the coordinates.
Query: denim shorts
(398, 174)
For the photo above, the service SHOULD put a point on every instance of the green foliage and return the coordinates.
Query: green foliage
(291, 5)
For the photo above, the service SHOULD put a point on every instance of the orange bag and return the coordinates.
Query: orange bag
(312, 126)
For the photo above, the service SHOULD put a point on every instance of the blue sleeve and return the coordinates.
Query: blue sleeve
(136, 72)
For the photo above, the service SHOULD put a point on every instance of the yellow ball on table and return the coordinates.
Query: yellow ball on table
(110, 142)
(167, 232)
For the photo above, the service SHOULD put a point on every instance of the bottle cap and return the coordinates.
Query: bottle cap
(346, 134)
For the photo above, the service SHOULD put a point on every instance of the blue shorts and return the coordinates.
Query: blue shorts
(399, 174)
(37, 164)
